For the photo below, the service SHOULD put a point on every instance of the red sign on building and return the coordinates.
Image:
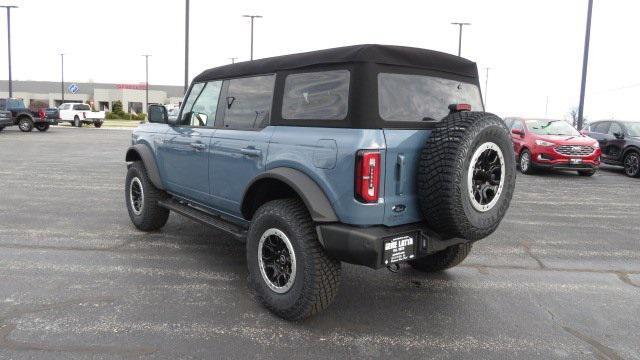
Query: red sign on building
(141, 86)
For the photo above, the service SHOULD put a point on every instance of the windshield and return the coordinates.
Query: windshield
(633, 128)
(551, 127)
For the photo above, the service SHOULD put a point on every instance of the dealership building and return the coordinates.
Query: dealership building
(43, 94)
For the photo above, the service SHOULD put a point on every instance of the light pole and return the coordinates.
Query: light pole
(233, 59)
(460, 24)
(486, 87)
(186, 47)
(146, 81)
(252, 17)
(62, 76)
(585, 60)
(9, 7)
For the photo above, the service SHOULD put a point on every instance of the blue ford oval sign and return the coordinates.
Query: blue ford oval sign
(73, 88)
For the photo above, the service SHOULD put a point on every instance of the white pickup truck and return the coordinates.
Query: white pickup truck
(78, 114)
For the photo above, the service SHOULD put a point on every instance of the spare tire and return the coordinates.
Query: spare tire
(466, 175)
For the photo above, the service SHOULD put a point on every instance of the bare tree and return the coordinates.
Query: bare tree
(574, 116)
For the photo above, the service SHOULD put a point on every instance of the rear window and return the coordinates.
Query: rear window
(316, 95)
(404, 97)
(81, 107)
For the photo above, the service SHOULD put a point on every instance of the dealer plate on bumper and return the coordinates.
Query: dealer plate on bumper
(399, 248)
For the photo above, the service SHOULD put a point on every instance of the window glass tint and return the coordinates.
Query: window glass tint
(81, 107)
(248, 102)
(600, 128)
(633, 128)
(203, 112)
(551, 127)
(193, 95)
(318, 95)
(403, 97)
(615, 128)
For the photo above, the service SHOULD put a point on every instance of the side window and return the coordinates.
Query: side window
(248, 102)
(600, 128)
(517, 125)
(615, 128)
(203, 112)
(316, 95)
(196, 89)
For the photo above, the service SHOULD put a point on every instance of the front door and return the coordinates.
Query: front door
(185, 149)
(241, 142)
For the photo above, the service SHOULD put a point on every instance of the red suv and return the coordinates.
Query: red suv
(540, 144)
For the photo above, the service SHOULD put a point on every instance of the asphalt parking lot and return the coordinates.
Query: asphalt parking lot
(559, 279)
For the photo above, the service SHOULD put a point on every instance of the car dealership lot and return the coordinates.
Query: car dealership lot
(559, 279)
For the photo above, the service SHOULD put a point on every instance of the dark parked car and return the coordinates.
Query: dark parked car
(620, 143)
(365, 154)
(5, 119)
(25, 118)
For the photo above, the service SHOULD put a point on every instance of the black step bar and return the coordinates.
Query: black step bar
(205, 218)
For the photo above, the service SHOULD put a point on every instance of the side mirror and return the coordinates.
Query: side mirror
(619, 135)
(158, 114)
(584, 132)
(517, 132)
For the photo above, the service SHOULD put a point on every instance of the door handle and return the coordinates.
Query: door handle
(198, 145)
(249, 151)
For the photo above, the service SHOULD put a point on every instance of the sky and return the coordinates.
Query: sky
(532, 48)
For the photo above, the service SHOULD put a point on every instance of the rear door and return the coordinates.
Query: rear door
(185, 149)
(241, 141)
(615, 142)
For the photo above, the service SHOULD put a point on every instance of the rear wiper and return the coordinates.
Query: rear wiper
(426, 118)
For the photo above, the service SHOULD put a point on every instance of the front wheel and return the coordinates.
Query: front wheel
(42, 127)
(77, 122)
(25, 124)
(142, 198)
(525, 163)
(632, 164)
(442, 260)
(289, 270)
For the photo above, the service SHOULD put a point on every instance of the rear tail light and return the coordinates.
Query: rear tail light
(367, 176)
(459, 107)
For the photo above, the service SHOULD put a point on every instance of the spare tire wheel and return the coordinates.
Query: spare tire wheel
(466, 175)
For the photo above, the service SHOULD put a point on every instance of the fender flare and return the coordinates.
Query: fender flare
(311, 194)
(144, 153)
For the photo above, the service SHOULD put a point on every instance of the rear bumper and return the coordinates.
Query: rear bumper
(45, 121)
(365, 245)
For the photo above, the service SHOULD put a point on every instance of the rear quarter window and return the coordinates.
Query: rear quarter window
(316, 95)
(405, 97)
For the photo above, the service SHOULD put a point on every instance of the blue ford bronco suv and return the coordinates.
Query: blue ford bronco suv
(371, 155)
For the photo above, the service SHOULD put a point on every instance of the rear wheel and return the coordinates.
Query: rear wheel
(97, 124)
(466, 175)
(77, 122)
(442, 260)
(289, 270)
(526, 167)
(632, 164)
(142, 198)
(42, 127)
(25, 124)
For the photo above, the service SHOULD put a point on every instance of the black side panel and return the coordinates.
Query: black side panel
(143, 152)
(312, 195)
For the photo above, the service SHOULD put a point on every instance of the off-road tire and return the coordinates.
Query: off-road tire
(42, 127)
(442, 260)
(317, 276)
(152, 216)
(97, 124)
(25, 124)
(77, 122)
(1, 128)
(586, 173)
(626, 162)
(527, 167)
(445, 160)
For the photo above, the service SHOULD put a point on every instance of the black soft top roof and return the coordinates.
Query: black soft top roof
(368, 53)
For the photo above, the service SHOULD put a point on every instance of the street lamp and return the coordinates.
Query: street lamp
(146, 87)
(252, 17)
(585, 60)
(186, 47)
(62, 76)
(460, 24)
(9, 7)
